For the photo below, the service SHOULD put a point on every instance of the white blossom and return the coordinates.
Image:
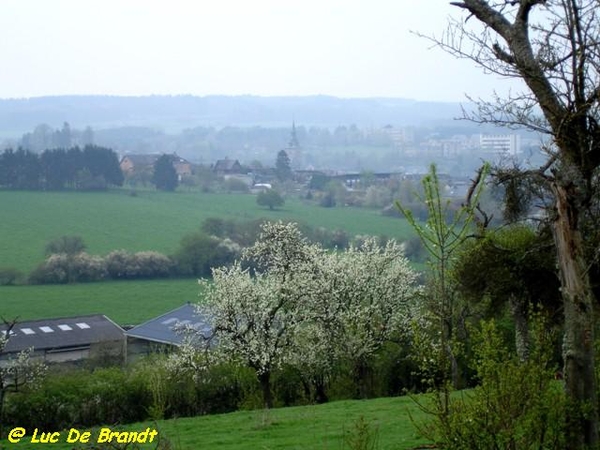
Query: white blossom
(299, 304)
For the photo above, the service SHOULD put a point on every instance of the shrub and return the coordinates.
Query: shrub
(377, 197)
(121, 264)
(235, 185)
(216, 226)
(79, 398)
(152, 264)
(9, 276)
(270, 198)
(362, 436)
(84, 267)
(63, 268)
(52, 271)
(328, 200)
(198, 253)
(516, 405)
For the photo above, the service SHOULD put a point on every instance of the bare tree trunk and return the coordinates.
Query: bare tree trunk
(449, 363)
(363, 379)
(578, 342)
(265, 384)
(320, 392)
(517, 309)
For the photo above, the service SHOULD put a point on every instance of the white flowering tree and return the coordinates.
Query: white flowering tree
(256, 312)
(290, 302)
(357, 301)
(281, 250)
(372, 300)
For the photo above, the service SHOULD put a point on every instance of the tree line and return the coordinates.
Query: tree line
(90, 168)
(218, 242)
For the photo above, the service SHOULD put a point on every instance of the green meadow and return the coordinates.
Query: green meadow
(331, 426)
(125, 302)
(151, 220)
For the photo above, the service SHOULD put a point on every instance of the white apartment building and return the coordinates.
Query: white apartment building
(500, 144)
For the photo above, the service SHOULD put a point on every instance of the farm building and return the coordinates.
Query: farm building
(165, 332)
(67, 339)
(227, 167)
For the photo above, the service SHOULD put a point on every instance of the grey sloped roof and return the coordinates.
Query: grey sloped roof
(227, 165)
(164, 329)
(64, 332)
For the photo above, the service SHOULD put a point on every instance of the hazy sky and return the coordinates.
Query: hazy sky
(345, 48)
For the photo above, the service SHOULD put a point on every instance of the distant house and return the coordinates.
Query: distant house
(228, 167)
(163, 333)
(67, 339)
(136, 163)
(182, 166)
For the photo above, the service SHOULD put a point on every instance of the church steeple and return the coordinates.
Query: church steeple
(294, 138)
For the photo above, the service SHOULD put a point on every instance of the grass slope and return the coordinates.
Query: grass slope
(323, 427)
(125, 302)
(151, 220)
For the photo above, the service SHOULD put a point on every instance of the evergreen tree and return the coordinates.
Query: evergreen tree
(283, 170)
(103, 162)
(165, 176)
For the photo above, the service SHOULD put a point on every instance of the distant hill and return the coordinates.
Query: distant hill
(174, 113)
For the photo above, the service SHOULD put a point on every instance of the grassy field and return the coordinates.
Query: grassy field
(150, 220)
(125, 302)
(322, 427)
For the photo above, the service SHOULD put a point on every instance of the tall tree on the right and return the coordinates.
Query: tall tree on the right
(554, 47)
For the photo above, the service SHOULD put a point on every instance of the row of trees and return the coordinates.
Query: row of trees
(75, 168)
(67, 261)
(44, 137)
(217, 243)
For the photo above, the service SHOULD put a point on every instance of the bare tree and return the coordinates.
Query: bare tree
(554, 47)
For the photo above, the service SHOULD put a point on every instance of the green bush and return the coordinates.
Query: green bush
(327, 200)
(235, 185)
(79, 398)
(517, 405)
(198, 253)
(270, 198)
(147, 390)
(362, 436)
